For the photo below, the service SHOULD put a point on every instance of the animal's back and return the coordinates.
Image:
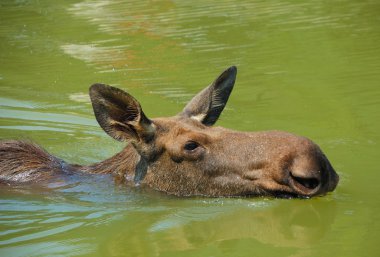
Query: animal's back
(22, 161)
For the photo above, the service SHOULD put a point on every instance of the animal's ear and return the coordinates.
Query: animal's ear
(119, 114)
(208, 104)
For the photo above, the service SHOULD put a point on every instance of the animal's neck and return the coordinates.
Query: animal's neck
(122, 165)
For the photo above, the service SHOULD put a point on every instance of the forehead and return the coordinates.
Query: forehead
(179, 125)
(176, 130)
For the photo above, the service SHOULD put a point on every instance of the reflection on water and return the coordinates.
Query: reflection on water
(94, 210)
(311, 68)
(193, 228)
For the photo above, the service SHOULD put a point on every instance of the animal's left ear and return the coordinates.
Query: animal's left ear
(208, 104)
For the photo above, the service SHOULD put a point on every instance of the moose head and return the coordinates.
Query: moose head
(185, 155)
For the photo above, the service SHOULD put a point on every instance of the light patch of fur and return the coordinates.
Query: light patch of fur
(199, 117)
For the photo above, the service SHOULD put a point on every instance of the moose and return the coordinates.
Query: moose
(184, 155)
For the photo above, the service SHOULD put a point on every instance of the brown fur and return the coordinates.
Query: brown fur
(184, 155)
(24, 161)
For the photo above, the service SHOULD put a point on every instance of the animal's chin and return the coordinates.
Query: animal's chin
(274, 194)
(287, 195)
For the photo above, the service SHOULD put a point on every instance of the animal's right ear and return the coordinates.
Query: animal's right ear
(119, 114)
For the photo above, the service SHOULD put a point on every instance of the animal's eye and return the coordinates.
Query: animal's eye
(191, 146)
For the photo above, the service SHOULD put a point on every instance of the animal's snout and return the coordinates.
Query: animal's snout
(311, 175)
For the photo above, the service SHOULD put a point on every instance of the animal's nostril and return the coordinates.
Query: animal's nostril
(305, 183)
(310, 183)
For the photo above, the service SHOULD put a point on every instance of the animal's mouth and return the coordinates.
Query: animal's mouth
(285, 194)
(294, 187)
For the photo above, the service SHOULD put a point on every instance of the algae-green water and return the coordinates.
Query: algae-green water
(308, 67)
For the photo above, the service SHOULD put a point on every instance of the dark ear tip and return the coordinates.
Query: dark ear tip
(229, 73)
(232, 70)
(97, 87)
(227, 77)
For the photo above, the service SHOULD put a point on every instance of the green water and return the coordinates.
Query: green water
(308, 67)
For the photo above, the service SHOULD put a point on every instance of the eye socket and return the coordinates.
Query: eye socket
(191, 146)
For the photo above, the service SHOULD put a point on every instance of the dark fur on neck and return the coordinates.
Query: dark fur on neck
(22, 161)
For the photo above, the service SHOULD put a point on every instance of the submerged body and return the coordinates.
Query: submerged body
(184, 155)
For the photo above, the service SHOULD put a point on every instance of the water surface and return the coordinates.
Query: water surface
(311, 68)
